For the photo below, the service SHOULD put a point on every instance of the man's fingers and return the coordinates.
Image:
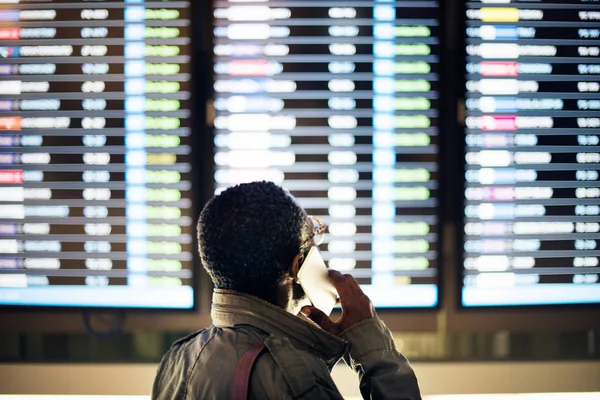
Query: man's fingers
(335, 275)
(350, 281)
(319, 318)
(340, 283)
(346, 285)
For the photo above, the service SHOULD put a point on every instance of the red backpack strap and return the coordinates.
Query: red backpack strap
(244, 369)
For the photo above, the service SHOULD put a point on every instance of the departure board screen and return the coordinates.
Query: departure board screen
(532, 213)
(338, 103)
(95, 186)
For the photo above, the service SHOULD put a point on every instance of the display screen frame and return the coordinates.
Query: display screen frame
(412, 312)
(198, 195)
(515, 315)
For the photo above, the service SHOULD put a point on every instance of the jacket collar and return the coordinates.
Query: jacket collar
(232, 308)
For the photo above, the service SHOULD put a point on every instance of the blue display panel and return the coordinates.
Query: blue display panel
(338, 102)
(532, 214)
(95, 185)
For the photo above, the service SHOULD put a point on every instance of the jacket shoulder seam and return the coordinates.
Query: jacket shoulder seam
(294, 369)
(189, 375)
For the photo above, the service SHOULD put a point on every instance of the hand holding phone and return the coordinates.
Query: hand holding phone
(356, 306)
(314, 279)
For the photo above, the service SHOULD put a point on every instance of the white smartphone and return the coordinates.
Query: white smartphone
(313, 278)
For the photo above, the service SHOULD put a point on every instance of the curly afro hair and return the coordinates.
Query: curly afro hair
(248, 236)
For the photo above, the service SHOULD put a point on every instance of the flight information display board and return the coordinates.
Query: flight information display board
(338, 103)
(95, 189)
(532, 213)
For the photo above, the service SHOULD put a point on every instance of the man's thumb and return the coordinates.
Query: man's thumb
(318, 317)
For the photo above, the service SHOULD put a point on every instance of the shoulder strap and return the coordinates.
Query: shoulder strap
(244, 370)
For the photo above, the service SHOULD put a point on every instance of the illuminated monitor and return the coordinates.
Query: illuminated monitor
(532, 207)
(338, 103)
(95, 185)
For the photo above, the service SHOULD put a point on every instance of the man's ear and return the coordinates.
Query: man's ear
(296, 264)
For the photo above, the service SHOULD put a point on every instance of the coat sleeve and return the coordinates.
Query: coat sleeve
(384, 373)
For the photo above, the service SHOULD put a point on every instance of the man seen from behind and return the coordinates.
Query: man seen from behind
(253, 239)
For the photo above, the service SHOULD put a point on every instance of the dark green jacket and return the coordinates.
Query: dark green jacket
(298, 362)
